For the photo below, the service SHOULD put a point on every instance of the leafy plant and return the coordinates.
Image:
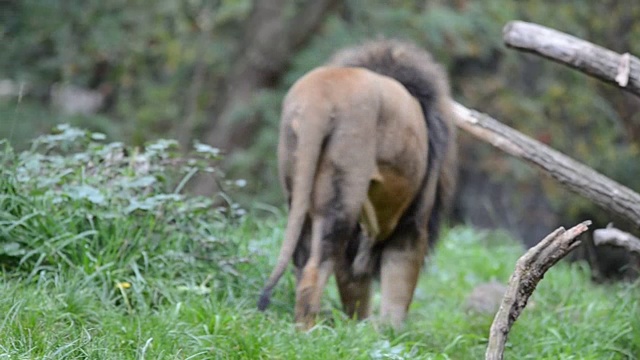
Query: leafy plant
(114, 213)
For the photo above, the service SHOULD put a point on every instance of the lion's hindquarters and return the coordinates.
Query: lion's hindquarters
(326, 156)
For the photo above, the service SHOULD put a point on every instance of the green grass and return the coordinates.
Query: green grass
(64, 314)
(101, 257)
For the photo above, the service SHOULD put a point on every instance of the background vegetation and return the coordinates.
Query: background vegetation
(102, 257)
(216, 70)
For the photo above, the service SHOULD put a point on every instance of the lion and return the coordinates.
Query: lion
(367, 159)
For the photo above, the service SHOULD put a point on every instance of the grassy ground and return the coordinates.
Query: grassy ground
(64, 315)
(102, 258)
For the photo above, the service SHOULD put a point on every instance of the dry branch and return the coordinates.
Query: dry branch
(622, 70)
(529, 270)
(579, 178)
(617, 237)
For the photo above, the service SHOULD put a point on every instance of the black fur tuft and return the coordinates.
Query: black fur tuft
(265, 300)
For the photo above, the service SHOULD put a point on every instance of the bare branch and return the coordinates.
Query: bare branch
(577, 177)
(616, 237)
(604, 64)
(529, 270)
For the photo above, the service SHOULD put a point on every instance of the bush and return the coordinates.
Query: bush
(114, 215)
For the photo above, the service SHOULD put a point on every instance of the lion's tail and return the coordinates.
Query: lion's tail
(309, 147)
(414, 68)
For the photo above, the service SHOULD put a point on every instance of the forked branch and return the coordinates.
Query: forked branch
(529, 270)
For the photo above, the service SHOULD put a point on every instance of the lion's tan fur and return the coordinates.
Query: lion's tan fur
(366, 165)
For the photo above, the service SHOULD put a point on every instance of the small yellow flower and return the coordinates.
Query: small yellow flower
(123, 285)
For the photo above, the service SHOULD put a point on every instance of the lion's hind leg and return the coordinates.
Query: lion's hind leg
(313, 277)
(355, 291)
(339, 194)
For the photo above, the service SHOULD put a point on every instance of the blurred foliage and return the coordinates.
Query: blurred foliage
(108, 211)
(146, 59)
(143, 57)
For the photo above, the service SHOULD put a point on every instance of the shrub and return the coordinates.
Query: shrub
(113, 214)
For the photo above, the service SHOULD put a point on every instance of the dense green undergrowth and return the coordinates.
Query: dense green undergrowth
(103, 258)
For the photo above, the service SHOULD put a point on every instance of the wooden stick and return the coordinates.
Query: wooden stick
(616, 237)
(577, 177)
(604, 64)
(529, 270)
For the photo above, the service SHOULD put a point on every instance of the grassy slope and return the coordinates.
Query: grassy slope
(64, 315)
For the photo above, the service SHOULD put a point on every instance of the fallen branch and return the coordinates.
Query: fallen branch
(529, 270)
(604, 64)
(616, 237)
(577, 177)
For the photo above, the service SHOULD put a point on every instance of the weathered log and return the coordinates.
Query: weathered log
(622, 70)
(616, 237)
(529, 270)
(577, 177)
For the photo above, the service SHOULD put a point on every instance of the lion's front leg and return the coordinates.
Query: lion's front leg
(400, 268)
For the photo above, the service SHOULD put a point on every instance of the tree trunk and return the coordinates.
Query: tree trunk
(270, 40)
(272, 36)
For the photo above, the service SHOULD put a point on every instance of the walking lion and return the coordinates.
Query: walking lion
(367, 159)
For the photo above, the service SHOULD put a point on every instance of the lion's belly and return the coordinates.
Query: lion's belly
(401, 167)
(390, 196)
